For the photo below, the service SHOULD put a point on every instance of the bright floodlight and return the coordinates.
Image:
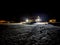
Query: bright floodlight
(38, 19)
(27, 20)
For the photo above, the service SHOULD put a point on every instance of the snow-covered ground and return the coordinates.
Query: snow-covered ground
(36, 34)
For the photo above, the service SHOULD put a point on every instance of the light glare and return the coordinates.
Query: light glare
(27, 20)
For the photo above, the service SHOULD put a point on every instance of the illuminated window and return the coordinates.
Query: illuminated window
(52, 20)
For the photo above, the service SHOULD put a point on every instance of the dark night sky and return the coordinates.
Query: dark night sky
(15, 14)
